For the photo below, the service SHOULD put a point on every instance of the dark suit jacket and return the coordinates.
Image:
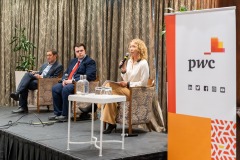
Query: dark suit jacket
(86, 67)
(54, 71)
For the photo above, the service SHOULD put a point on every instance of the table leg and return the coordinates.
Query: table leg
(92, 126)
(69, 120)
(123, 126)
(101, 130)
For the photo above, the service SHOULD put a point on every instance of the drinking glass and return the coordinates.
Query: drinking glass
(98, 90)
(107, 90)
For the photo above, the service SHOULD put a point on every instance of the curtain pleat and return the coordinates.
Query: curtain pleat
(6, 53)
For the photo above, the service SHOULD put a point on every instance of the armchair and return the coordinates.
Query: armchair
(43, 95)
(138, 109)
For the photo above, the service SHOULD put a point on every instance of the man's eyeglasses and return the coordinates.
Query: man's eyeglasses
(79, 51)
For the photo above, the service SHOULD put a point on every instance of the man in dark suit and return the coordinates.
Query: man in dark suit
(81, 65)
(51, 69)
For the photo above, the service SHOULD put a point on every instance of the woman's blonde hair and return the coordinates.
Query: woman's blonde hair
(141, 48)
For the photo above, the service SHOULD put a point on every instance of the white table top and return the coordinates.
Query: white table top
(93, 98)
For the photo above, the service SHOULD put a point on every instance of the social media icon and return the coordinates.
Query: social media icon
(189, 87)
(214, 89)
(205, 88)
(222, 89)
(198, 87)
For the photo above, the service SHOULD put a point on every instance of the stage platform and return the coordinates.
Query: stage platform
(24, 141)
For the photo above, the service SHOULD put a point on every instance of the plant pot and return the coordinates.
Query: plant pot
(18, 77)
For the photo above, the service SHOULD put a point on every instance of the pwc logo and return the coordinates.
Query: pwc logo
(216, 47)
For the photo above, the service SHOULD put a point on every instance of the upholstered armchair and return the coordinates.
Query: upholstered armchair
(43, 95)
(77, 105)
(138, 109)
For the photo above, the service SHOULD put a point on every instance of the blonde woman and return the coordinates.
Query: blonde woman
(134, 73)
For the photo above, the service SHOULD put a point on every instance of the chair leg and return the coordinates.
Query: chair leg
(74, 113)
(48, 108)
(149, 127)
(38, 108)
(130, 129)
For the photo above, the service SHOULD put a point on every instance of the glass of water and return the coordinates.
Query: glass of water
(98, 90)
(108, 90)
(103, 90)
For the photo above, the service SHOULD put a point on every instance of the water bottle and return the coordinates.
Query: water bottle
(86, 84)
(80, 86)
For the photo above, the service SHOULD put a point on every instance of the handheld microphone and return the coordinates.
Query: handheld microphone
(123, 61)
(66, 76)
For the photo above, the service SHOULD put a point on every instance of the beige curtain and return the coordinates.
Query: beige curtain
(105, 26)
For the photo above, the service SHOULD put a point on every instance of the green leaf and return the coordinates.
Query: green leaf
(183, 9)
(20, 44)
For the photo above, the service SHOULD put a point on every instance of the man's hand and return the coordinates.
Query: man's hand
(33, 72)
(65, 82)
(38, 76)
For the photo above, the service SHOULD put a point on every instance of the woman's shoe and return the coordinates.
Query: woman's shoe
(110, 128)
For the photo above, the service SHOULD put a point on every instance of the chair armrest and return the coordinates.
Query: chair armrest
(141, 98)
(47, 81)
(139, 89)
(45, 84)
(45, 90)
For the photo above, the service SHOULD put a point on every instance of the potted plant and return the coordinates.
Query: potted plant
(23, 46)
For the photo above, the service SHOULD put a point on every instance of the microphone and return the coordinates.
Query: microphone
(123, 61)
(131, 135)
(66, 76)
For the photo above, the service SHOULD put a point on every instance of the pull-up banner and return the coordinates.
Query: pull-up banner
(201, 73)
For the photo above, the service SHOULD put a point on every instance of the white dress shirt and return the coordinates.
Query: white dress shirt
(45, 71)
(137, 73)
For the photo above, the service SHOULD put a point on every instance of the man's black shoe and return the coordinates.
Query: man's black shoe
(20, 110)
(14, 96)
(88, 109)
